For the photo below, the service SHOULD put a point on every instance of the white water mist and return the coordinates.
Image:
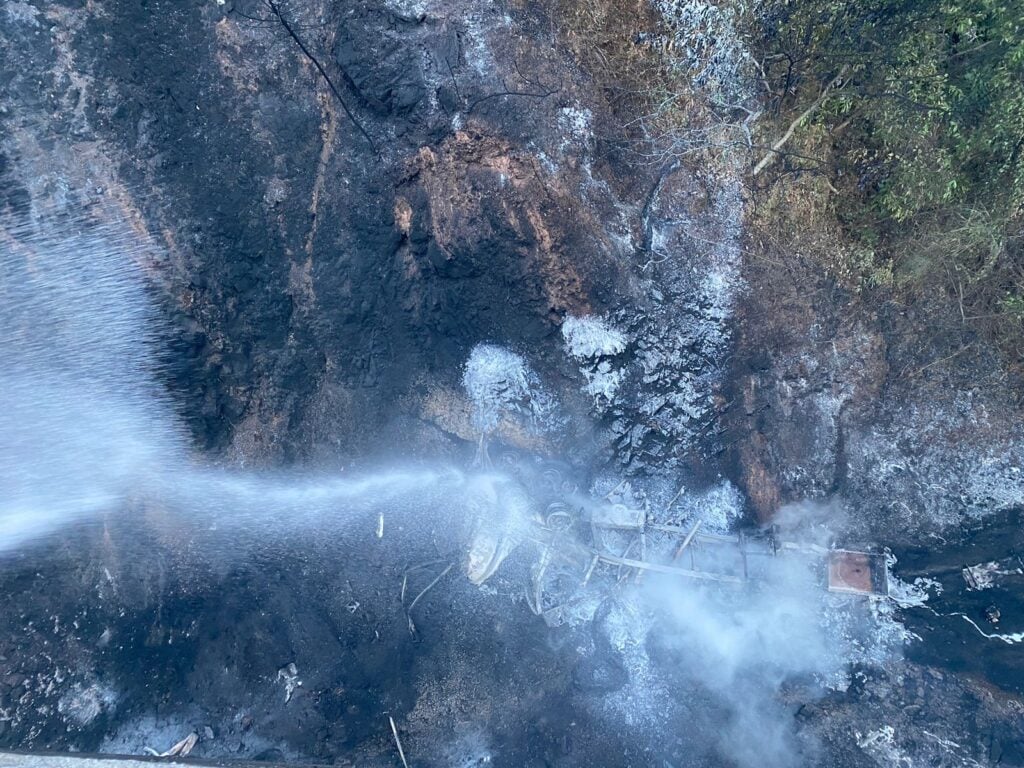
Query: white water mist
(86, 429)
(83, 423)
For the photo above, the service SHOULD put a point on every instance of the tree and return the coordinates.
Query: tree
(923, 103)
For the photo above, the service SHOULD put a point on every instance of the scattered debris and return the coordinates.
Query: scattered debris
(181, 749)
(983, 575)
(398, 741)
(500, 511)
(290, 675)
(630, 538)
(431, 585)
(857, 573)
(617, 516)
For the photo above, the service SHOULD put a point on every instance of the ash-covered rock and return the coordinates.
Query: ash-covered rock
(595, 345)
(499, 384)
(926, 469)
(83, 703)
(666, 411)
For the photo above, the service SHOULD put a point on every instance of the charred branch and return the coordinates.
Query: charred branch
(276, 10)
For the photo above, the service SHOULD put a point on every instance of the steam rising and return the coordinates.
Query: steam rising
(734, 664)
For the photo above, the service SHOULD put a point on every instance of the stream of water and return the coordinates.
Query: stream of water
(86, 428)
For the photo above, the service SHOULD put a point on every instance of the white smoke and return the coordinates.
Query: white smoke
(743, 658)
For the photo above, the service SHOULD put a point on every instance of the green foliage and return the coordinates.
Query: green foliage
(927, 132)
(936, 87)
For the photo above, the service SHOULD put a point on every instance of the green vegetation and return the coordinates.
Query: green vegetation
(920, 135)
(897, 128)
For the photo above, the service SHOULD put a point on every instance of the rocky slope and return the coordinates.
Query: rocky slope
(335, 204)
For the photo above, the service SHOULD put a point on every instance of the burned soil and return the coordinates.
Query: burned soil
(338, 210)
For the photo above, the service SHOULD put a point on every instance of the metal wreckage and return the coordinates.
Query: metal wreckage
(576, 548)
(621, 537)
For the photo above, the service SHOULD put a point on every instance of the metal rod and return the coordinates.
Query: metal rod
(623, 561)
(687, 540)
(398, 741)
(429, 586)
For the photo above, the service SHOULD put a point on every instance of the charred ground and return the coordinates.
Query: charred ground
(323, 280)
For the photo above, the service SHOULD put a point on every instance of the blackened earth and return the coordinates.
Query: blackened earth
(320, 297)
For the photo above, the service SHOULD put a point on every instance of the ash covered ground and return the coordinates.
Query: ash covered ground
(307, 305)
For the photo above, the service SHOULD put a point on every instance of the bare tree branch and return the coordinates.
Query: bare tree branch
(774, 152)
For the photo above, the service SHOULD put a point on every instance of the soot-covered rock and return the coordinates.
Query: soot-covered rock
(375, 51)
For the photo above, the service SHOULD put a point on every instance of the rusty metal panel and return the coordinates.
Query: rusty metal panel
(857, 573)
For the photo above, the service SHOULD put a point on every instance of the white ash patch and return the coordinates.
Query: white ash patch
(590, 336)
(910, 594)
(289, 676)
(994, 482)
(576, 127)
(888, 750)
(645, 701)
(667, 400)
(21, 12)
(499, 383)
(867, 632)
(722, 282)
(624, 241)
(576, 121)
(870, 631)
(602, 383)
(880, 743)
(719, 508)
(549, 165)
(709, 47)
(927, 468)
(82, 704)
(470, 749)
(590, 341)
(410, 8)
(477, 49)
